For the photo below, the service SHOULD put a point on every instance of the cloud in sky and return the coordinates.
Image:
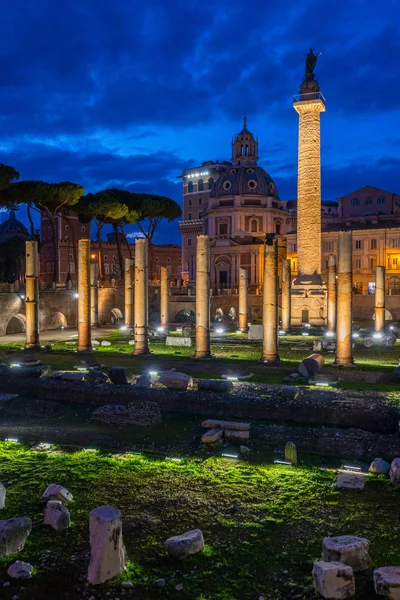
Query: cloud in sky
(128, 94)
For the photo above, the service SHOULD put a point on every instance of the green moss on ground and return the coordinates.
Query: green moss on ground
(263, 524)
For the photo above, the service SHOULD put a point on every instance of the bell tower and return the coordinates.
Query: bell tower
(244, 147)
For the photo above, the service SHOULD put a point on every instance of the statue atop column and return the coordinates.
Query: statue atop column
(309, 84)
(311, 61)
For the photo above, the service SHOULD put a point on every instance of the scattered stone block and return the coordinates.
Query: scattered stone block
(118, 376)
(350, 481)
(244, 450)
(175, 380)
(13, 535)
(71, 343)
(2, 496)
(212, 436)
(182, 546)
(215, 385)
(290, 392)
(107, 550)
(140, 413)
(57, 492)
(144, 381)
(57, 515)
(20, 570)
(105, 343)
(68, 376)
(291, 453)
(212, 423)
(394, 472)
(96, 376)
(379, 466)
(311, 366)
(95, 343)
(333, 580)
(255, 332)
(131, 342)
(387, 582)
(173, 340)
(347, 549)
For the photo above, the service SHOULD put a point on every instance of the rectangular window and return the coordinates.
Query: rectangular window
(107, 269)
(327, 246)
(200, 201)
(394, 261)
(358, 263)
(199, 215)
(367, 201)
(371, 263)
(358, 244)
(381, 200)
(295, 247)
(189, 241)
(189, 216)
(358, 287)
(395, 242)
(371, 287)
(189, 202)
(373, 244)
(223, 229)
(355, 201)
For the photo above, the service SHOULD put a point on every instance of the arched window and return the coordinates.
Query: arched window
(190, 186)
(200, 185)
(278, 228)
(247, 150)
(253, 225)
(241, 150)
(210, 182)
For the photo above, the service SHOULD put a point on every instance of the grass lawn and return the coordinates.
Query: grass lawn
(263, 524)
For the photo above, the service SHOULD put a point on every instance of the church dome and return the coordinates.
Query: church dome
(244, 180)
(11, 227)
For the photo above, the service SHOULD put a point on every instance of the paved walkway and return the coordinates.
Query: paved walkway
(54, 335)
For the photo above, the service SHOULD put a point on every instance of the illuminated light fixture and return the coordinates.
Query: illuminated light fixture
(238, 331)
(173, 459)
(282, 462)
(76, 295)
(248, 324)
(22, 296)
(377, 336)
(84, 369)
(322, 383)
(229, 455)
(355, 335)
(232, 378)
(329, 333)
(15, 365)
(12, 440)
(307, 325)
(93, 256)
(123, 328)
(305, 333)
(391, 328)
(89, 449)
(153, 373)
(160, 328)
(135, 452)
(219, 330)
(281, 332)
(352, 468)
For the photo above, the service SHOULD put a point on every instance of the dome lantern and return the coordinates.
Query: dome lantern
(245, 147)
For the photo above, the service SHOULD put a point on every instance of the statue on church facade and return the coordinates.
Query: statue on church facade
(311, 62)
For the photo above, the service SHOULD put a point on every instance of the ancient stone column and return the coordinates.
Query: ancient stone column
(32, 295)
(344, 351)
(243, 299)
(84, 317)
(164, 315)
(270, 303)
(94, 294)
(379, 299)
(203, 297)
(309, 107)
(331, 292)
(141, 293)
(286, 289)
(128, 279)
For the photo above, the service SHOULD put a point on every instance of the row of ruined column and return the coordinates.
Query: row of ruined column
(339, 309)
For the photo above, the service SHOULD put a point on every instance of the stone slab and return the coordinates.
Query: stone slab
(214, 423)
(212, 436)
(178, 341)
(255, 332)
(350, 481)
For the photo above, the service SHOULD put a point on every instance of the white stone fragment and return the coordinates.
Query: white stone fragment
(13, 534)
(379, 466)
(182, 546)
(105, 343)
(176, 381)
(107, 550)
(333, 580)
(57, 492)
(2, 496)
(394, 472)
(212, 436)
(347, 549)
(57, 515)
(232, 434)
(350, 481)
(20, 570)
(387, 582)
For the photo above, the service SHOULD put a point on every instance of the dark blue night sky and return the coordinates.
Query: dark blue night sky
(124, 93)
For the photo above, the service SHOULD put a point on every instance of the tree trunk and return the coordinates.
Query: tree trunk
(101, 256)
(119, 249)
(56, 273)
(74, 246)
(32, 228)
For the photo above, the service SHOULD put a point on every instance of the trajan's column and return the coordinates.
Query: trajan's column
(309, 294)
